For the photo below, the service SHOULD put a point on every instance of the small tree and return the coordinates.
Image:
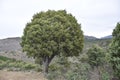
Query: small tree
(96, 56)
(52, 33)
(115, 50)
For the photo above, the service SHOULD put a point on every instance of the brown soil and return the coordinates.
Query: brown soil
(14, 75)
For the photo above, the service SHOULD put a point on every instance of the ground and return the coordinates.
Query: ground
(20, 75)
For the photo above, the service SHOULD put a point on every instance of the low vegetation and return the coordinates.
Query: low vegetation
(14, 65)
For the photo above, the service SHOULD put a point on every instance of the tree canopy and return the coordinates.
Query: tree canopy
(52, 33)
(115, 50)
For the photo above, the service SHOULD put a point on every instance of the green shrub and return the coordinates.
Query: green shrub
(12, 64)
(28, 66)
(3, 64)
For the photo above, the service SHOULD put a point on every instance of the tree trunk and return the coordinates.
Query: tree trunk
(46, 62)
(45, 66)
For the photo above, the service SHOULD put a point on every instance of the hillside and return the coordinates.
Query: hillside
(10, 44)
(90, 37)
(13, 44)
(10, 47)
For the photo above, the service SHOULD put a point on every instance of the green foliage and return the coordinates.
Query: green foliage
(13, 64)
(96, 56)
(115, 50)
(79, 71)
(75, 70)
(5, 58)
(52, 33)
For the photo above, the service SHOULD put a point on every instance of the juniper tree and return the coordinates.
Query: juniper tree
(52, 33)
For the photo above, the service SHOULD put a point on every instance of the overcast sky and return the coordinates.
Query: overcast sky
(97, 17)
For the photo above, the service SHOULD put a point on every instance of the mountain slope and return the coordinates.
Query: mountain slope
(90, 37)
(10, 44)
(10, 47)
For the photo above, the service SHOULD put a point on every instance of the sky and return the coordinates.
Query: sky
(97, 17)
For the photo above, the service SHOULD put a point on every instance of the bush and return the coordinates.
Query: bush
(12, 64)
(28, 66)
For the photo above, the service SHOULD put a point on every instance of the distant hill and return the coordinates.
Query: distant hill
(107, 37)
(10, 44)
(10, 47)
(13, 44)
(90, 37)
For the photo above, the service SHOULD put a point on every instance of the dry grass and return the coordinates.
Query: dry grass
(13, 75)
